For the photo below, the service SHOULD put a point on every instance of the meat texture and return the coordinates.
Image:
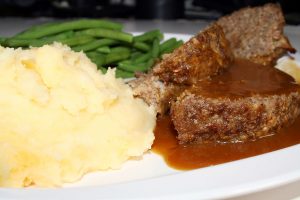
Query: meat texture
(200, 119)
(154, 92)
(204, 55)
(246, 102)
(257, 33)
(254, 34)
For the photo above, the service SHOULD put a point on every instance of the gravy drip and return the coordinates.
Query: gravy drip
(242, 79)
(193, 156)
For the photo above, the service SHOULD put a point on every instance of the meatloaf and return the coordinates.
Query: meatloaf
(204, 55)
(249, 101)
(155, 92)
(213, 100)
(256, 33)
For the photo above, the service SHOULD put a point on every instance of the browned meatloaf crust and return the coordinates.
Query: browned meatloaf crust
(247, 102)
(201, 119)
(257, 33)
(202, 56)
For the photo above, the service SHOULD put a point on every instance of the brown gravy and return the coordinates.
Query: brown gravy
(191, 156)
(242, 79)
(245, 78)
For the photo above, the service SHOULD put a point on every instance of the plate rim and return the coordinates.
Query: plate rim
(229, 191)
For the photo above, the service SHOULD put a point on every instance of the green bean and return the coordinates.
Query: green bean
(136, 67)
(76, 40)
(2, 40)
(130, 67)
(125, 61)
(123, 74)
(172, 47)
(93, 54)
(36, 27)
(135, 55)
(150, 63)
(43, 31)
(107, 33)
(167, 44)
(142, 58)
(141, 46)
(97, 58)
(40, 42)
(62, 35)
(103, 42)
(117, 56)
(23, 43)
(179, 43)
(155, 48)
(148, 36)
(104, 49)
(119, 49)
(48, 40)
(95, 44)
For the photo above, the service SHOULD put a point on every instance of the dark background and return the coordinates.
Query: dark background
(138, 9)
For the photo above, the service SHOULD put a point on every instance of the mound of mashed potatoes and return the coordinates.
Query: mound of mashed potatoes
(61, 118)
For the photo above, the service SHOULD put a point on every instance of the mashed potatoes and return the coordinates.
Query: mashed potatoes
(60, 118)
(289, 66)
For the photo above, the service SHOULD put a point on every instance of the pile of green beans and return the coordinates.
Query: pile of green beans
(103, 41)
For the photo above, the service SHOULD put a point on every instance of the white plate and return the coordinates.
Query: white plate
(151, 178)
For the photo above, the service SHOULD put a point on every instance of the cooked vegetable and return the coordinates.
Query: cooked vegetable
(119, 49)
(171, 48)
(76, 40)
(149, 36)
(97, 58)
(63, 35)
(102, 41)
(107, 33)
(142, 58)
(71, 41)
(124, 74)
(155, 48)
(166, 45)
(104, 49)
(94, 44)
(44, 30)
(141, 46)
(131, 67)
(114, 57)
(136, 67)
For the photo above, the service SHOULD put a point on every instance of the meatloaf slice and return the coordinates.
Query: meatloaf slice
(204, 55)
(154, 92)
(257, 33)
(245, 103)
(200, 119)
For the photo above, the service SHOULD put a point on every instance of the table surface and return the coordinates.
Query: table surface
(11, 26)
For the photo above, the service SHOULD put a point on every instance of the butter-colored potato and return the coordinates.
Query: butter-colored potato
(289, 66)
(61, 118)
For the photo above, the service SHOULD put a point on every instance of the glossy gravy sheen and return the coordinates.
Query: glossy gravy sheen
(194, 156)
(242, 79)
(245, 78)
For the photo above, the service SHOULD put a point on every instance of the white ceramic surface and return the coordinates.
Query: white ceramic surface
(151, 178)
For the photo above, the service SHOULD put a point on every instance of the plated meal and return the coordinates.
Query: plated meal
(216, 98)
